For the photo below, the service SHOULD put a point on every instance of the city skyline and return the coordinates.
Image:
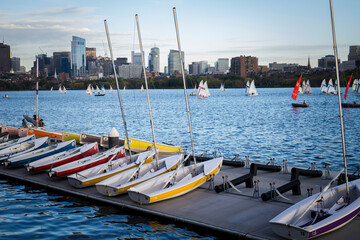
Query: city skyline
(272, 31)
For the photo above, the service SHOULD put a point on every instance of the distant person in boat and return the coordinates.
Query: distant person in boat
(304, 102)
(24, 123)
(41, 123)
(354, 102)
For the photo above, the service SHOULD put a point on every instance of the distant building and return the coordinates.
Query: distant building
(5, 63)
(203, 67)
(121, 61)
(174, 62)
(283, 67)
(354, 53)
(90, 57)
(194, 68)
(78, 56)
(154, 60)
(348, 65)
(263, 69)
(15, 64)
(57, 61)
(65, 66)
(45, 65)
(210, 70)
(166, 70)
(222, 65)
(136, 58)
(327, 62)
(244, 66)
(130, 71)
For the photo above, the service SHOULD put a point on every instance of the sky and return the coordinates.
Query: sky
(283, 31)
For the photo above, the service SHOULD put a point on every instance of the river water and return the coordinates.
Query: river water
(263, 127)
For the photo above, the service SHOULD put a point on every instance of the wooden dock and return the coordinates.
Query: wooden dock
(237, 215)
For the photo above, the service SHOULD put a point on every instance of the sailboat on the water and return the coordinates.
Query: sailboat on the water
(194, 93)
(98, 92)
(323, 87)
(142, 88)
(308, 89)
(295, 94)
(328, 210)
(183, 179)
(88, 90)
(330, 89)
(222, 87)
(251, 91)
(203, 90)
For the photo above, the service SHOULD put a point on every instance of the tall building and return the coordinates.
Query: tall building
(244, 66)
(194, 68)
(222, 65)
(57, 61)
(327, 62)
(45, 65)
(5, 63)
(78, 56)
(65, 65)
(15, 64)
(203, 66)
(136, 58)
(174, 61)
(154, 60)
(354, 53)
(90, 53)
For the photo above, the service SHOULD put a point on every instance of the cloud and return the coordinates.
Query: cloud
(50, 12)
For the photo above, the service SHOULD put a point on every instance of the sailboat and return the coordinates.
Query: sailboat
(98, 93)
(60, 89)
(111, 89)
(88, 90)
(103, 89)
(183, 179)
(194, 93)
(92, 89)
(308, 89)
(326, 211)
(349, 105)
(142, 88)
(323, 87)
(330, 89)
(51, 88)
(295, 94)
(222, 87)
(124, 88)
(247, 88)
(121, 182)
(302, 89)
(252, 89)
(203, 91)
(355, 85)
(64, 90)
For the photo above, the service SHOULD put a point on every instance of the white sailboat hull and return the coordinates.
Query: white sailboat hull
(284, 224)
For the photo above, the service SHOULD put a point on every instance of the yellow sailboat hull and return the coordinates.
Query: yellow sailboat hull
(70, 136)
(138, 145)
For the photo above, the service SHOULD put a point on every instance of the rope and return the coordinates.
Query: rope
(232, 185)
(282, 196)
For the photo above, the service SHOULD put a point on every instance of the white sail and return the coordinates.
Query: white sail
(88, 90)
(111, 89)
(103, 89)
(51, 89)
(60, 89)
(64, 90)
(252, 90)
(355, 85)
(247, 88)
(323, 88)
(97, 89)
(142, 88)
(92, 89)
(222, 87)
(330, 88)
(202, 93)
(303, 89)
(195, 88)
(308, 87)
(206, 89)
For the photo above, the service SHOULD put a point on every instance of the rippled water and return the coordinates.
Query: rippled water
(263, 127)
(31, 213)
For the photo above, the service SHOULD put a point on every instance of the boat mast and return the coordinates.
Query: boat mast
(339, 96)
(117, 86)
(37, 92)
(183, 77)
(147, 90)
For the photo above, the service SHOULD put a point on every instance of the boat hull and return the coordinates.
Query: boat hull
(282, 224)
(70, 136)
(300, 105)
(137, 145)
(45, 133)
(64, 159)
(350, 105)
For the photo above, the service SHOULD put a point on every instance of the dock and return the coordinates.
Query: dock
(230, 214)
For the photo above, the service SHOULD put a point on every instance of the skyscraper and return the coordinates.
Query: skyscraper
(154, 60)
(174, 61)
(5, 64)
(136, 58)
(15, 64)
(78, 56)
(222, 65)
(57, 61)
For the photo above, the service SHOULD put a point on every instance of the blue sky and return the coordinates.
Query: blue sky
(272, 30)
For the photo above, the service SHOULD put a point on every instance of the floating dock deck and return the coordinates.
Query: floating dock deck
(237, 215)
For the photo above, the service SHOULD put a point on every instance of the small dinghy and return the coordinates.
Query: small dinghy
(350, 105)
(16, 141)
(45, 133)
(62, 158)
(175, 183)
(16, 161)
(120, 183)
(300, 105)
(106, 170)
(22, 148)
(295, 95)
(88, 162)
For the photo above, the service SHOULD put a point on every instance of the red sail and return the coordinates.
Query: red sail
(296, 89)
(347, 88)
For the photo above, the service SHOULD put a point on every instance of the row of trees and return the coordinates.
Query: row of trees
(231, 81)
